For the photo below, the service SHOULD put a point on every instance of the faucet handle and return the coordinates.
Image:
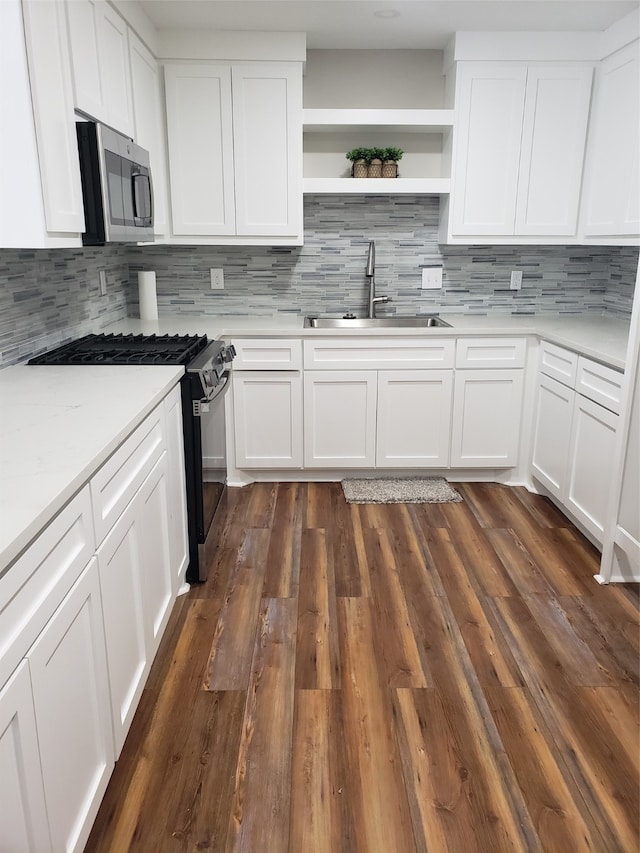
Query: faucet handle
(378, 299)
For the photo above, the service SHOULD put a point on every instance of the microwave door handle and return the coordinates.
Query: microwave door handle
(136, 178)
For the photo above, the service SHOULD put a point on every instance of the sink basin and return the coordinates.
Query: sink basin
(425, 321)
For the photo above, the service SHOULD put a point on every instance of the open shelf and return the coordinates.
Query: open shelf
(377, 186)
(407, 121)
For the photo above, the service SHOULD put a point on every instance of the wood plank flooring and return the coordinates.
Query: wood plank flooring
(388, 679)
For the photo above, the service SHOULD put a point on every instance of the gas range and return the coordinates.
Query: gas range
(126, 349)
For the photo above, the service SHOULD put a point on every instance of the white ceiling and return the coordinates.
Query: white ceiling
(420, 24)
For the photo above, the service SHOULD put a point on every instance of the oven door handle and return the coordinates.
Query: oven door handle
(201, 406)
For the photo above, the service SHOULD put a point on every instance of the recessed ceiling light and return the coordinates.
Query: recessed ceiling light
(387, 13)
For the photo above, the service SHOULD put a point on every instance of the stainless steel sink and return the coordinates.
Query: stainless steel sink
(424, 321)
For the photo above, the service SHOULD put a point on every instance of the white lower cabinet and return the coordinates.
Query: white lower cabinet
(121, 585)
(71, 699)
(23, 819)
(178, 536)
(268, 419)
(486, 418)
(414, 418)
(340, 419)
(574, 435)
(593, 438)
(153, 503)
(552, 436)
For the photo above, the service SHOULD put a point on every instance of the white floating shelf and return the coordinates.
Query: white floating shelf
(413, 121)
(378, 186)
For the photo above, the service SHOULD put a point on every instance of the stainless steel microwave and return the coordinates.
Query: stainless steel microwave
(116, 186)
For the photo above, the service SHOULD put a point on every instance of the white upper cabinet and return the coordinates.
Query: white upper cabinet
(519, 148)
(100, 59)
(235, 151)
(199, 128)
(41, 196)
(149, 123)
(611, 205)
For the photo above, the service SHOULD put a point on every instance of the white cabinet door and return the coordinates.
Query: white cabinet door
(490, 100)
(487, 407)
(414, 418)
(115, 70)
(121, 587)
(592, 447)
(552, 435)
(267, 139)
(23, 817)
(84, 21)
(52, 97)
(553, 143)
(199, 128)
(268, 419)
(100, 60)
(157, 580)
(340, 419)
(149, 123)
(71, 699)
(612, 180)
(178, 541)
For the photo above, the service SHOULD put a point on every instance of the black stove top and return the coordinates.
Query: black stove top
(126, 349)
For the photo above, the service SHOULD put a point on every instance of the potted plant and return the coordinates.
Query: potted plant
(375, 162)
(360, 160)
(390, 162)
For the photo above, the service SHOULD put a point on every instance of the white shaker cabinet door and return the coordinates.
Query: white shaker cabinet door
(612, 179)
(121, 587)
(268, 419)
(553, 143)
(340, 419)
(487, 407)
(23, 816)
(178, 537)
(84, 21)
(71, 699)
(199, 128)
(490, 101)
(414, 418)
(267, 138)
(149, 123)
(592, 447)
(52, 97)
(115, 69)
(552, 436)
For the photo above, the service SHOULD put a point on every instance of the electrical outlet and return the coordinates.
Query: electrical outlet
(103, 282)
(431, 278)
(217, 279)
(516, 280)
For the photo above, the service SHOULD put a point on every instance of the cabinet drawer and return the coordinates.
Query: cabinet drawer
(600, 383)
(560, 364)
(491, 352)
(33, 587)
(378, 354)
(267, 354)
(113, 485)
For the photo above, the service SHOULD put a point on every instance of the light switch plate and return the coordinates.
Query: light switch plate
(217, 279)
(516, 280)
(431, 278)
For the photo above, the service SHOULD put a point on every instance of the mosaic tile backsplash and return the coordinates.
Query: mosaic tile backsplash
(50, 296)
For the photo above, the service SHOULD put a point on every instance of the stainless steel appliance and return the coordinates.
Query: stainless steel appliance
(207, 371)
(117, 190)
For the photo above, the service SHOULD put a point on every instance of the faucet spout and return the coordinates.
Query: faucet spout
(370, 274)
(371, 260)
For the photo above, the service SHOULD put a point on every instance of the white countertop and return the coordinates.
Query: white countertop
(594, 335)
(57, 426)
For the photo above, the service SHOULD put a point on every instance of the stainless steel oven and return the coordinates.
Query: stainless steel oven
(207, 375)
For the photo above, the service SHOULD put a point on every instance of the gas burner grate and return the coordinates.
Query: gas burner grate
(126, 349)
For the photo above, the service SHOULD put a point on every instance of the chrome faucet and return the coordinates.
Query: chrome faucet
(370, 274)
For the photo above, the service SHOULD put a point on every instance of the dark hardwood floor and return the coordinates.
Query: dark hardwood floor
(388, 679)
